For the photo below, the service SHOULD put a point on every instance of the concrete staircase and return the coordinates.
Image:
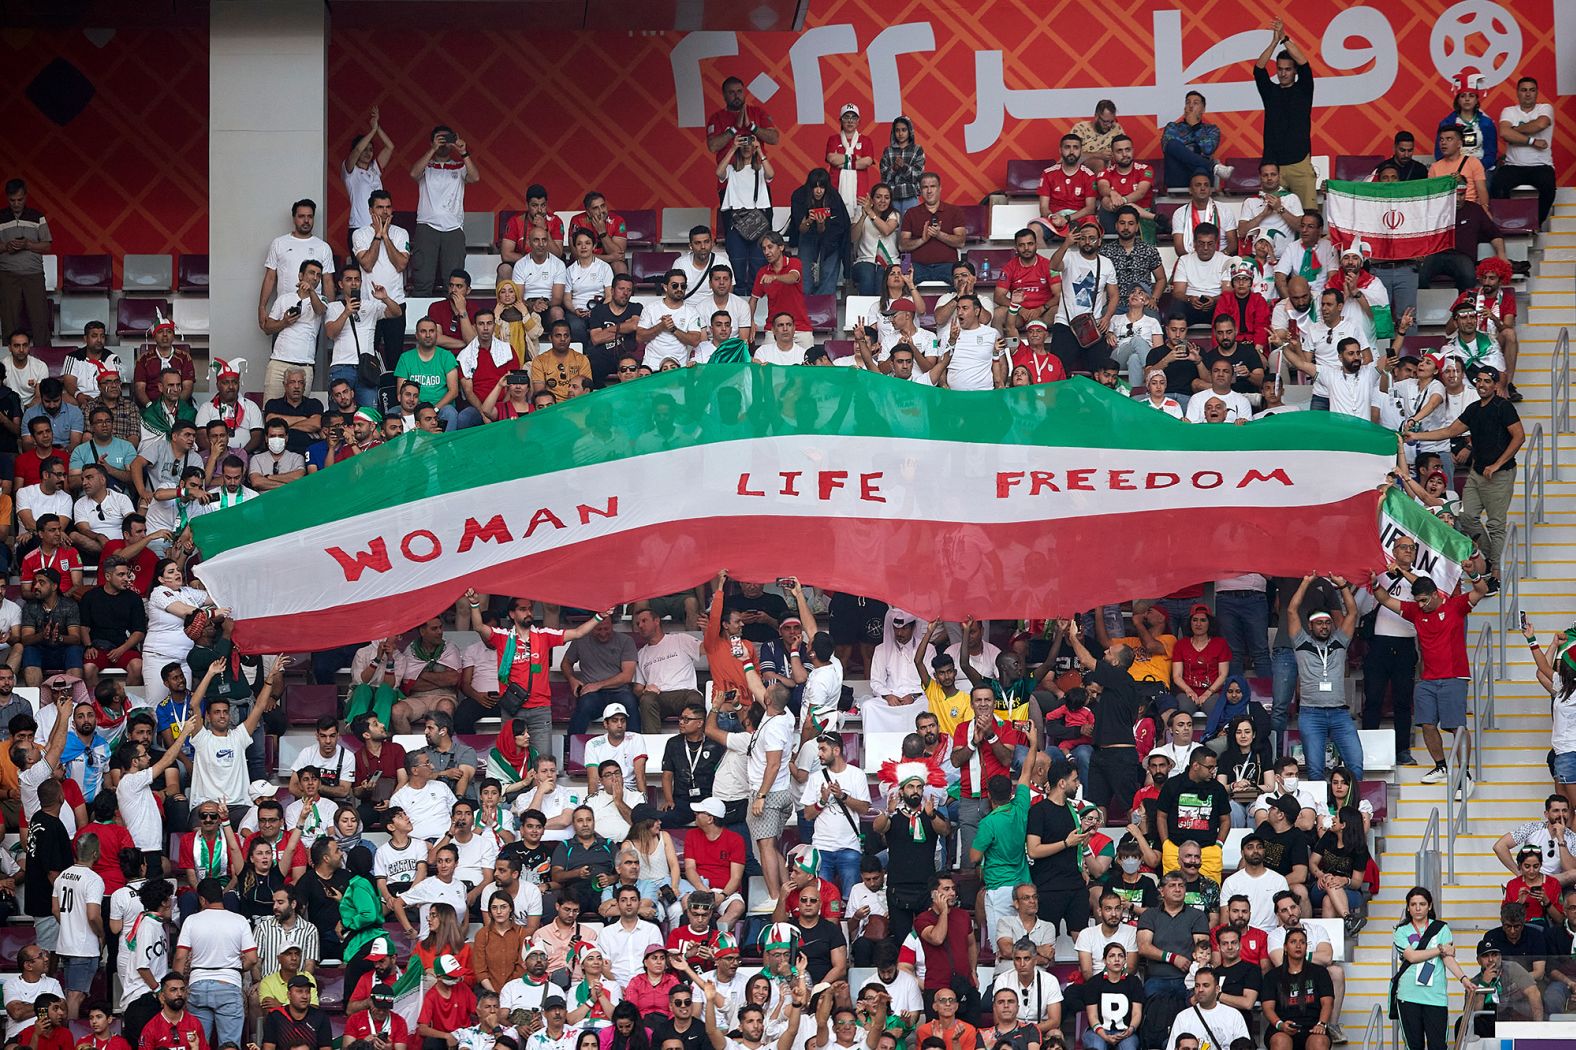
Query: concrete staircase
(1515, 778)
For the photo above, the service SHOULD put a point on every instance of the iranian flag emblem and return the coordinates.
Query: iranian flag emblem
(1398, 220)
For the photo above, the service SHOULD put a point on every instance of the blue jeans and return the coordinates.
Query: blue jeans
(815, 249)
(365, 395)
(53, 657)
(842, 867)
(218, 1007)
(1245, 624)
(746, 258)
(589, 708)
(1092, 1041)
(1154, 986)
(1080, 756)
(459, 419)
(934, 273)
(867, 278)
(1283, 666)
(902, 204)
(1319, 724)
(1182, 164)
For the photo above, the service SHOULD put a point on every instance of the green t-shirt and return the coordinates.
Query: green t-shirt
(432, 375)
(1000, 839)
(1425, 983)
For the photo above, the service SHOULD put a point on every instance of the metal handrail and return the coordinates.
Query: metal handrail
(1456, 773)
(1426, 859)
(1510, 562)
(1375, 1026)
(1534, 462)
(1560, 397)
(1482, 699)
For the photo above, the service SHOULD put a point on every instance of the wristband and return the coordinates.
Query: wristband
(598, 617)
(748, 667)
(467, 153)
(476, 605)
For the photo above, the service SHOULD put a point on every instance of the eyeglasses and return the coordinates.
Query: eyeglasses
(208, 816)
(681, 1002)
(629, 368)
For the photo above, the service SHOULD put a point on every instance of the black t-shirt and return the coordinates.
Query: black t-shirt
(320, 909)
(1335, 859)
(10, 407)
(1283, 852)
(1288, 115)
(283, 1030)
(48, 850)
(1192, 810)
(536, 865)
(1239, 978)
(1116, 712)
(1113, 1001)
(1474, 226)
(693, 1038)
(111, 618)
(678, 756)
(1246, 356)
(1296, 995)
(818, 942)
(1489, 422)
(604, 358)
(770, 604)
(1053, 823)
(295, 440)
(1019, 1037)
(1531, 942)
(910, 864)
(1179, 374)
(1143, 893)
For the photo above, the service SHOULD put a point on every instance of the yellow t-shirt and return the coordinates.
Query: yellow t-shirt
(273, 987)
(553, 374)
(1146, 666)
(950, 711)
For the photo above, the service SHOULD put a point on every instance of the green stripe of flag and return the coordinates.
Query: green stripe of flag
(1416, 189)
(1427, 528)
(717, 403)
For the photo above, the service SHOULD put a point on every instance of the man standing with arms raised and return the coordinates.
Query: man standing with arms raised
(1288, 112)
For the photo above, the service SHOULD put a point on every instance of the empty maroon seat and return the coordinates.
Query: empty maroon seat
(1373, 792)
(12, 940)
(137, 316)
(1166, 208)
(1424, 344)
(822, 311)
(640, 226)
(976, 222)
(837, 349)
(86, 273)
(1355, 167)
(997, 257)
(649, 267)
(305, 704)
(1516, 216)
(503, 222)
(191, 274)
(575, 755)
(54, 357)
(1244, 181)
(563, 702)
(406, 220)
(331, 990)
(1158, 165)
(1023, 177)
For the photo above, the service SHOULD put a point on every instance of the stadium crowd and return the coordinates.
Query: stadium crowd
(535, 886)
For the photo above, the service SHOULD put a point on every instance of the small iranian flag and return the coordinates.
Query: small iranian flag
(1397, 220)
(1440, 548)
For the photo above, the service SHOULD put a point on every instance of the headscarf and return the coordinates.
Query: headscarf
(1225, 711)
(523, 334)
(509, 748)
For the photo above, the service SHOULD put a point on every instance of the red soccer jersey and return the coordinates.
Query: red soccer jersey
(1043, 368)
(616, 227)
(142, 565)
(1255, 943)
(1442, 637)
(297, 860)
(1515, 888)
(1126, 184)
(159, 1032)
(684, 942)
(441, 313)
(62, 560)
(831, 901)
(514, 229)
(714, 860)
(112, 1042)
(145, 372)
(447, 1014)
(529, 669)
(1067, 192)
(1502, 304)
(362, 1026)
(725, 119)
(1034, 279)
(984, 764)
(29, 468)
(783, 296)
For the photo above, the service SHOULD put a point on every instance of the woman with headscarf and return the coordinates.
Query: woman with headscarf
(818, 230)
(514, 324)
(902, 163)
(512, 759)
(360, 914)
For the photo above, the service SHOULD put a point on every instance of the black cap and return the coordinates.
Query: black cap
(383, 992)
(554, 1001)
(300, 980)
(1487, 947)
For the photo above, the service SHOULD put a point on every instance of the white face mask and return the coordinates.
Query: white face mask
(1290, 783)
(276, 445)
(1130, 865)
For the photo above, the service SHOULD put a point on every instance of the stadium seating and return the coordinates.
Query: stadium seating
(86, 273)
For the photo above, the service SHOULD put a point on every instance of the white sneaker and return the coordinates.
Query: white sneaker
(1435, 775)
(1471, 785)
(1223, 172)
(764, 907)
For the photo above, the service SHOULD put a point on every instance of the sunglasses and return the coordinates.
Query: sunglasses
(629, 368)
(681, 1002)
(205, 817)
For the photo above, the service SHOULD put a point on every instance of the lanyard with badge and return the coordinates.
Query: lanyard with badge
(1325, 685)
(692, 759)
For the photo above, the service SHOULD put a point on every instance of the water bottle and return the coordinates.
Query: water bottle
(985, 271)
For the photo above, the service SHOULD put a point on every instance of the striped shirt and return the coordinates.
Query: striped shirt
(272, 938)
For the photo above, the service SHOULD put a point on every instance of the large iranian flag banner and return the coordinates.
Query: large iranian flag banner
(1398, 220)
(1440, 548)
(1036, 501)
